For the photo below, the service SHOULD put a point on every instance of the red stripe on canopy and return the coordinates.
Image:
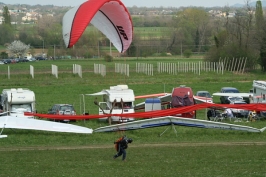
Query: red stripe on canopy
(83, 16)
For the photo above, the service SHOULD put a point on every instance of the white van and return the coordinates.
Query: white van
(116, 100)
(15, 102)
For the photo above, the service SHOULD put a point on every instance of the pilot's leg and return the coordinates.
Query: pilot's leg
(124, 154)
(119, 153)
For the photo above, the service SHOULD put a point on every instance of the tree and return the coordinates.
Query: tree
(236, 40)
(18, 48)
(50, 29)
(192, 25)
(6, 34)
(262, 58)
(260, 24)
(132, 50)
(3, 55)
(259, 15)
(216, 40)
(197, 39)
(6, 30)
(6, 16)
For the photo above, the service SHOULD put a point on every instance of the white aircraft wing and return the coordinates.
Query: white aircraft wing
(140, 106)
(97, 94)
(35, 124)
(164, 98)
(244, 95)
(171, 120)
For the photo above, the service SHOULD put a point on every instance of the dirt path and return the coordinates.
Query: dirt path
(41, 148)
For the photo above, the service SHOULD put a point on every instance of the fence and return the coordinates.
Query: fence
(77, 69)
(194, 67)
(233, 65)
(144, 68)
(32, 71)
(100, 69)
(55, 71)
(8, 72)
(122, 68)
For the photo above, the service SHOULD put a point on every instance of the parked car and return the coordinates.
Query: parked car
(40, 58)
(238, 112)
(23, 60)
(224, 99)
(204, 94)
(32, 59)
(2, 63)
(17, 60)
(62, 109)
(7, 61)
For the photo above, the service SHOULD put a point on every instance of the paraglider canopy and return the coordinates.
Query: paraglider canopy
(111, 17)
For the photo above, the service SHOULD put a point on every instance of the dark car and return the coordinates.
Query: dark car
(224, 99)
(62, 109)
(23, 60)
(7, 61)
(40, 58)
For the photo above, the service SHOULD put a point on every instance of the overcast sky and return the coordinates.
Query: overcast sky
(139, 3)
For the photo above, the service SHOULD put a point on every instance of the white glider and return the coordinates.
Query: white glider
(43, 125)
(171, 120)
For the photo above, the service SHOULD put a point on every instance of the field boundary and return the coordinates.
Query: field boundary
(43, 148)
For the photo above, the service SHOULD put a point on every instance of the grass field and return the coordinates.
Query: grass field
(147, 33)
(190, 152)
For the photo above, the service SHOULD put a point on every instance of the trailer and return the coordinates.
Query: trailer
(116, 100)
(15, 102)
(153, 104)
(259, 91)
(183, 96)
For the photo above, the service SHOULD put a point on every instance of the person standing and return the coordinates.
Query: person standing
(251, 99)
(121, 145)
(229, 113)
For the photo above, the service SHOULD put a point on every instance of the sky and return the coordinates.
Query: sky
(139, 3)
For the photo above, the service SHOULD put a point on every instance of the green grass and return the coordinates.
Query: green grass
(48, 89)
(147, 33)
(190, 152)
(144, 32)
(141, 161)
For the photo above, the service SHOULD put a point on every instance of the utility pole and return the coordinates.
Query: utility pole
(98, 49)
(181, 49)
(43, 47)
(110, 48)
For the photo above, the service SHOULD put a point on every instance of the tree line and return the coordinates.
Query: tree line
(190, 30)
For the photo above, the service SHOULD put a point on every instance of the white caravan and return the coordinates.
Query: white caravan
(259, 91)
(116, 100)
(15, 102)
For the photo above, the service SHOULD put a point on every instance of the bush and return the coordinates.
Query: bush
(187, 53)
(231, 51)
(88, 55)
(108, 58)
(3, 55)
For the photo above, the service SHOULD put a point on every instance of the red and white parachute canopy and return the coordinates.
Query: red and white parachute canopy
(111, 17)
